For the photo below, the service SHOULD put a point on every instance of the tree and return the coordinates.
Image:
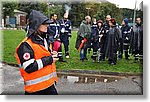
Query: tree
(109, 9)
(129, 13)
(77, 13)
(8, 10)
(55, 8)
(29, 6)
(98, 10)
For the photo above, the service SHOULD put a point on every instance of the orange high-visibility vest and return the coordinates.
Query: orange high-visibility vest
(42, 78)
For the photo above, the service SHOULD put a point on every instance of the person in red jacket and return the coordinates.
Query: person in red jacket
(36, 60)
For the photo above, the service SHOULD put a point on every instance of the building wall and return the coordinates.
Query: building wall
(20, 19)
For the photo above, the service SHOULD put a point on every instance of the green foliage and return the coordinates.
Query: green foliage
(129, 13)
(57, 9)
(78, 10)
(8, 8)
(98, 10)
(109, 9)
(29, 6)
(77, 13)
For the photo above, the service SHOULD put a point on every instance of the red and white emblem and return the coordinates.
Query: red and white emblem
(26, 56)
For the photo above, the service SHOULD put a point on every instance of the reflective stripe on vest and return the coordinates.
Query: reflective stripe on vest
(27, 63)
(40, 63)
(41, 79)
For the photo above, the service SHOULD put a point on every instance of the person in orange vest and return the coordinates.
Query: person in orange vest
(36, 60)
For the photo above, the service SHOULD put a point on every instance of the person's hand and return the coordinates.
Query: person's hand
(82, 41)
(54, 52)
(55, 56)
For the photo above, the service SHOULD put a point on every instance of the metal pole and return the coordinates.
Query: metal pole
(134, 13)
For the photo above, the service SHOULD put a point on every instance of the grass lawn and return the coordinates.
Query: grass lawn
(13, 37)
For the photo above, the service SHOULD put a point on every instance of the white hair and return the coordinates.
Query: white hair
(87, 17)
(108, 16)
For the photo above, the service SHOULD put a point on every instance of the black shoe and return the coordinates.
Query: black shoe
(89, 50)
(61, 60)
(82, 60)
(120, 56)
(141, 61)
(86, 58)
(103, 59)
(135, 61)
(127, 58)
(109, 62)
(99, 61)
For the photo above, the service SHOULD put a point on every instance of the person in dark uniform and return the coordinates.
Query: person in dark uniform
(136, 43)
(54, 35)
(93, 28)
(65, 33)
(94, 24)
(93, 40)
(98, 41)
(36, 60)
(125, 41)
(53, 29)
(106, 26)
(102, 39)
(112, 42)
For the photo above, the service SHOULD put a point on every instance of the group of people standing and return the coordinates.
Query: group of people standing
(37, 53)
(59, 31)
(109, 40)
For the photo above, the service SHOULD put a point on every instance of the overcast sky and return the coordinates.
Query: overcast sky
(126, 3)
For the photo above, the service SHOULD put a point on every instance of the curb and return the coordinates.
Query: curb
(93, 72)
(98, 72)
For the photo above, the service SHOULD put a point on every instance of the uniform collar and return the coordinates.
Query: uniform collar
(38, 38)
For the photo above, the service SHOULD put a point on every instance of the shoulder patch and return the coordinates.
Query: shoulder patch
(26, 56)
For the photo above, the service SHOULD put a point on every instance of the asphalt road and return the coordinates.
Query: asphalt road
(12, 83)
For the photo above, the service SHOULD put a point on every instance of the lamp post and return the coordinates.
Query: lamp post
(134, 13)
(49, 5)
(4, 16)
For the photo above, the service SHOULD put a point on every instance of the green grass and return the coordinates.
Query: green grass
(13, 37)
(11, 40)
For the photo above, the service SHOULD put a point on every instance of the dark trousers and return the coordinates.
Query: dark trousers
(102, 50)
(48, 91)
(138, 54)
(120, 50)
(60, 53)
(83, 53)
(65, 40)
(113, 57)
(126, 48)
(95, 46)
(113, 60)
